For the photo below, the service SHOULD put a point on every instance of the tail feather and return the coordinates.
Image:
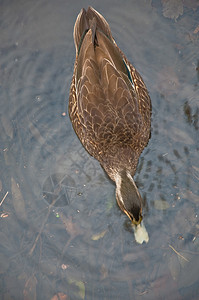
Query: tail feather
(86, 20)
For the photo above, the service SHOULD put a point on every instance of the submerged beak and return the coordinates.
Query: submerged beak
(141, 234)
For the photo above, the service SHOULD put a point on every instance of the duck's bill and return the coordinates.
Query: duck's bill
(140, 233)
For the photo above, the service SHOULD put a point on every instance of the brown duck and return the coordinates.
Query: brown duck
(109, 107)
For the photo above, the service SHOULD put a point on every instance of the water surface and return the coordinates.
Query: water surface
(61, 230)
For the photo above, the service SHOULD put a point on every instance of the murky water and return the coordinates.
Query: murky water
(61, 230)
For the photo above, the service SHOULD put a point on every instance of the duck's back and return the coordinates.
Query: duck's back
(109, 105)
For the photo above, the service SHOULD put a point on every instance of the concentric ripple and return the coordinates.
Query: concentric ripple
(65, 232)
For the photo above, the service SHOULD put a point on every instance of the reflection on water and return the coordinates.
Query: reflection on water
(61, 230)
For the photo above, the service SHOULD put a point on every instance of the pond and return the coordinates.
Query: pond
(62, 233)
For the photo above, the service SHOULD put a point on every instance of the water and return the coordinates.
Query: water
(61, 230)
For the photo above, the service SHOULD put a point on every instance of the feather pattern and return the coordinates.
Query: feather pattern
(109, 105)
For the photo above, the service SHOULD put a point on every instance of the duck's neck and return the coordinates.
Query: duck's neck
(128, 196)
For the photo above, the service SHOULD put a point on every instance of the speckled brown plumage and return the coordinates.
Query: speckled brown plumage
(110, 115)
(109, 105)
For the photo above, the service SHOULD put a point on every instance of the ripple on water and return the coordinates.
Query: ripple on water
(75, 231)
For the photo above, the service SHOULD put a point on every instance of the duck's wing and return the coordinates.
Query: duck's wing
(105, 105)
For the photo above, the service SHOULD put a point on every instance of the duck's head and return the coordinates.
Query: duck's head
(128, 196)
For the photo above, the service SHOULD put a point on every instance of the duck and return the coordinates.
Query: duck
(109, 107)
